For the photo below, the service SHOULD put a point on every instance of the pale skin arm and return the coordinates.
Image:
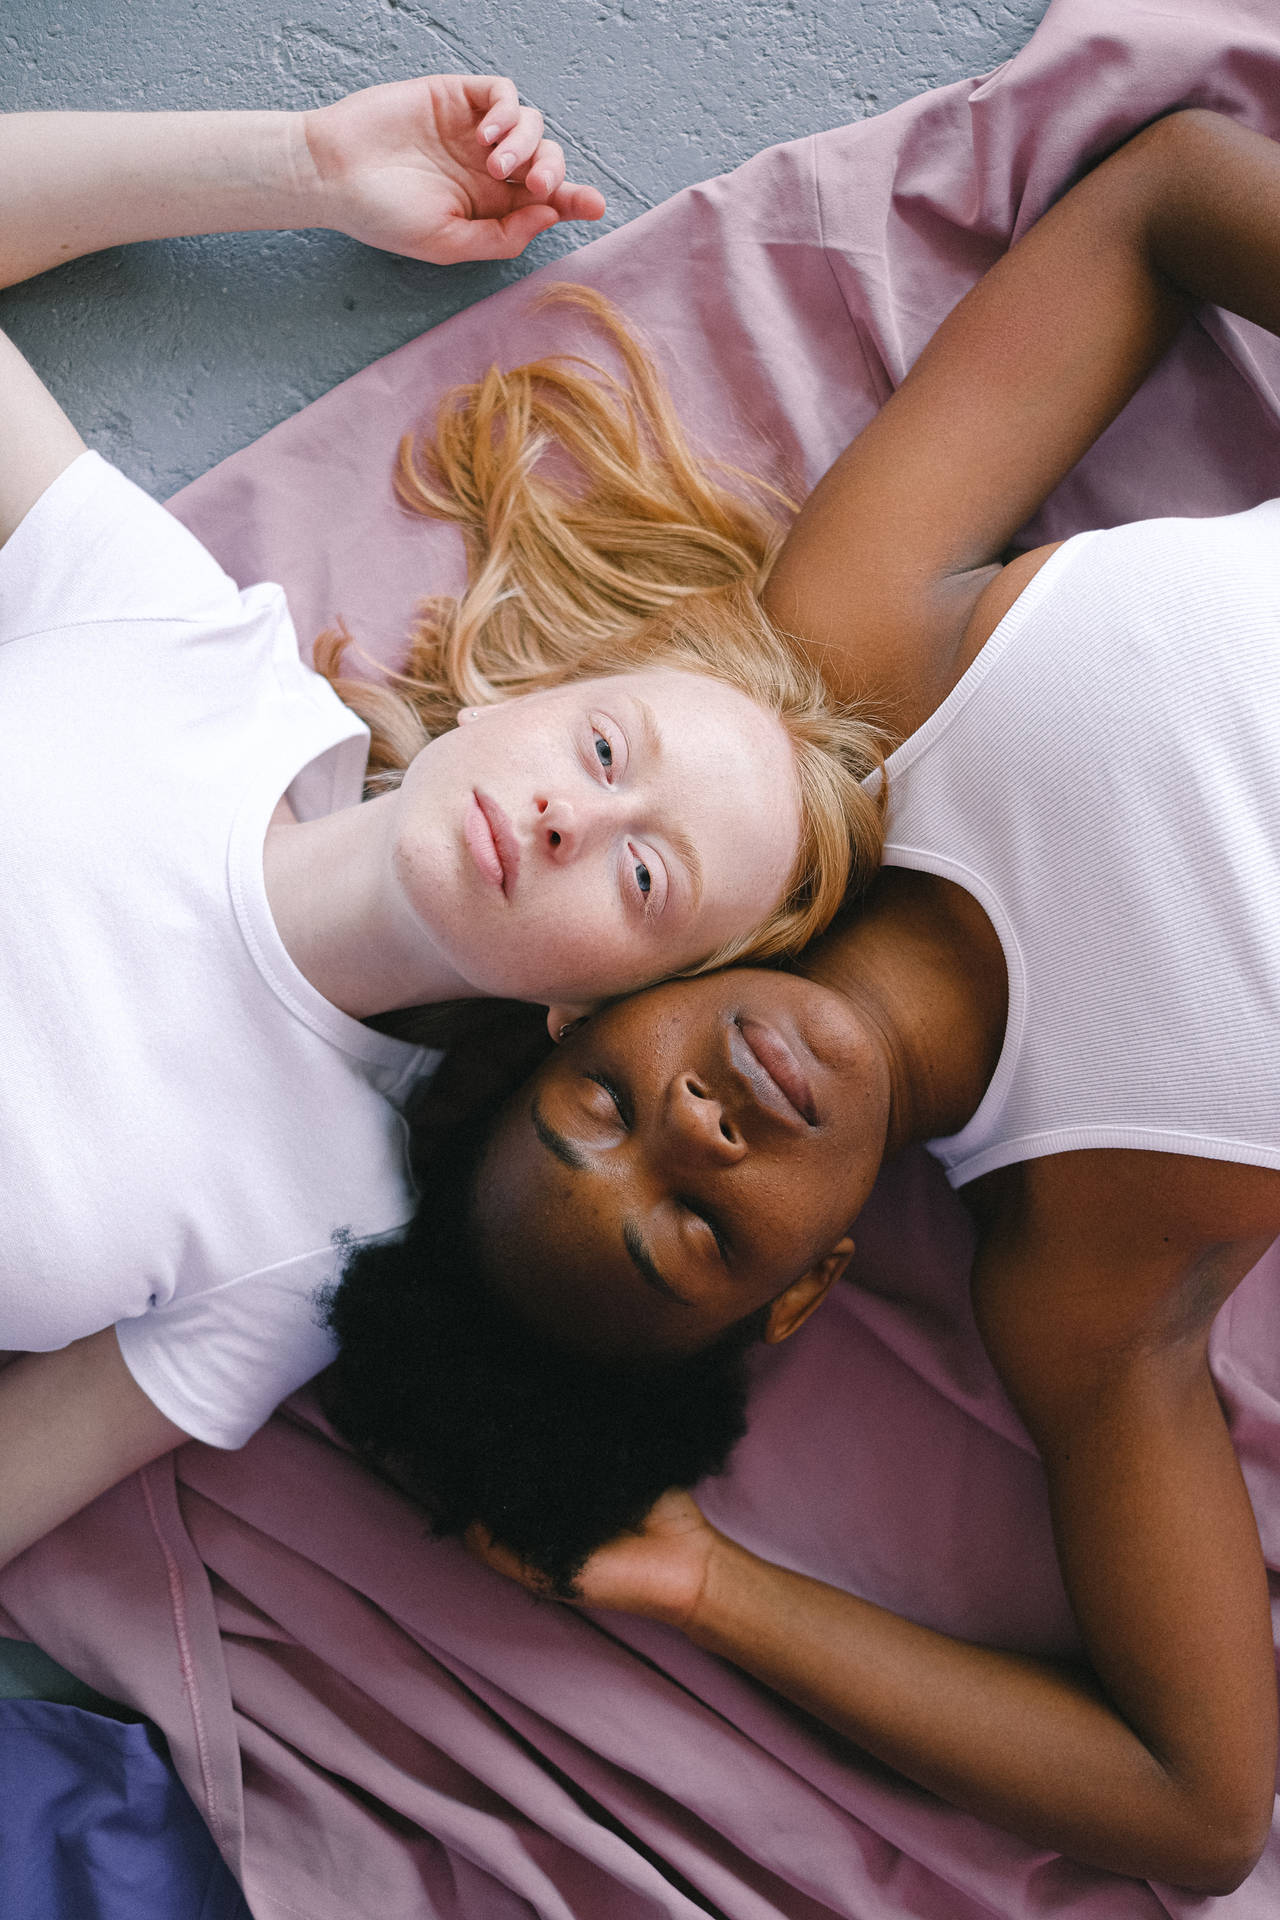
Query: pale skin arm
(1161, 1766)
(885, 568)
(72, 1423)
(444, 169)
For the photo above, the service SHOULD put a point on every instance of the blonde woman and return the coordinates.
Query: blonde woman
(201, 915)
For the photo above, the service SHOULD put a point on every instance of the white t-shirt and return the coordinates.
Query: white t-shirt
(185, 1123)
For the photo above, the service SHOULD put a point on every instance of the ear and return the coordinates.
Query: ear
(562, 1020)
(792, 1308)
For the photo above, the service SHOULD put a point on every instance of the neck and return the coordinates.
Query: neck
(923, 969)
(343, 922)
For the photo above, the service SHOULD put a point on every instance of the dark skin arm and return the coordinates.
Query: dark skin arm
(883, 572)
(1163, 1765)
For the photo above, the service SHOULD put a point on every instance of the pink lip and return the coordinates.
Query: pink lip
(491, 842)
(772, 1071)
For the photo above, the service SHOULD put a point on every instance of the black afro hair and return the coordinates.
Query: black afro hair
(481, 1418)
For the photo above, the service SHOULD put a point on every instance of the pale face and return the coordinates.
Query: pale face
(575, 844)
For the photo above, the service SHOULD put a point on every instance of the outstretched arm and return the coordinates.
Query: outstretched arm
(883, 570)
(444, 169)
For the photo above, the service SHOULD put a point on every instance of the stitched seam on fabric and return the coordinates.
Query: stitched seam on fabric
(186, 1661)
(121, 620)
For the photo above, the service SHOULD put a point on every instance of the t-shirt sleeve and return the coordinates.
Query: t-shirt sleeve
(95, 548)
(219, 1363)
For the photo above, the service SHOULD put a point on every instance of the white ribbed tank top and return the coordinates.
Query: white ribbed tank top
(1105, 780)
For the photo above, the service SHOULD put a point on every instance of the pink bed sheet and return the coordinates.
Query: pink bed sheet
(378, 1729)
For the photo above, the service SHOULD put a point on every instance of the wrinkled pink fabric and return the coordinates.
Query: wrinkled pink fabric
(373, 1725)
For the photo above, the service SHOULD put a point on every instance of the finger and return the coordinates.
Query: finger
(525, 224)
(498, 107)
(518, 146)
(503, 239)
(546, 170)
(574, 202)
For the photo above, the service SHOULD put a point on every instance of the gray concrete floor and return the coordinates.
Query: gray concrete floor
(170, 356)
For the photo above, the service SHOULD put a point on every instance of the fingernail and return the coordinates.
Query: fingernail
(505, 163)
(488, 133)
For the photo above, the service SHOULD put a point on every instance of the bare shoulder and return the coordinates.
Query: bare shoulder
(1132, 1240)
(1190, 1199)
(994, 602)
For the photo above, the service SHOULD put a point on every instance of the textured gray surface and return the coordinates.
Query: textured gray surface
(170, 356)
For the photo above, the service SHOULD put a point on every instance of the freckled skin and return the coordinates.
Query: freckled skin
(575, 926)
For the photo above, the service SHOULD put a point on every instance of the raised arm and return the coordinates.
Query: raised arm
(1161, 1762)
(891, 554)
(444, 169)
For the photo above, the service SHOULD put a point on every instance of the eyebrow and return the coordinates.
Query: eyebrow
(564, 1150)
(651, 739)
(571, 1156)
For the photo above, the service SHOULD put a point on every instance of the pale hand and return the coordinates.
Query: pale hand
(659, 1572)
(443, 169)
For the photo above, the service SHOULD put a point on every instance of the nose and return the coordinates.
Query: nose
(561, 827)
(699, 1126)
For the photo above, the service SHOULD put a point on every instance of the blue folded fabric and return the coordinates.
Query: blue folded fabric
(96, 1825)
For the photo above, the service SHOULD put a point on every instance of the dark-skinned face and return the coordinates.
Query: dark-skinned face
(688, 1156)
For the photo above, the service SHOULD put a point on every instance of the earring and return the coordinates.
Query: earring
(571, 1026)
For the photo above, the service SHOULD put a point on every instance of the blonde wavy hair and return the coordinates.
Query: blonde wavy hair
(599, 543)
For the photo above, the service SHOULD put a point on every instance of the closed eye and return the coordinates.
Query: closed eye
(613, 1093)
(713, 1226)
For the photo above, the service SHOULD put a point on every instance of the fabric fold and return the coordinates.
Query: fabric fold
(372, 1724)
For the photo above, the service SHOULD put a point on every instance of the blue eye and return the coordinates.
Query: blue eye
(604, 752)
(643, 878)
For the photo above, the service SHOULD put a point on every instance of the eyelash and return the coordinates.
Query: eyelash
(598, 734)
(644, 889)
(713, 1226)
(644, 893)
(708, 1219)
(623, 1111)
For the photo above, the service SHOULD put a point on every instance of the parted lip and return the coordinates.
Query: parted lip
(767, 1063)
(506, 845)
